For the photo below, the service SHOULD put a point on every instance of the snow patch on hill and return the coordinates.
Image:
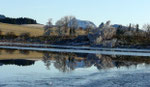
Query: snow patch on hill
(85, 24)
(82, 24)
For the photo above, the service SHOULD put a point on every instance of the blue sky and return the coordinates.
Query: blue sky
(97, 11)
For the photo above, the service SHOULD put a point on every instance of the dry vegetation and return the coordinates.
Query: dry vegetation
(34, 25)
(18, 29)
(33, 30)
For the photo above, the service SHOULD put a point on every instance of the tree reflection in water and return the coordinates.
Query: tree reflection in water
(46, 60)
(18, 62)
(10, 51)
(25, 52)
(66, 62)
(62, 62)
(100, 61)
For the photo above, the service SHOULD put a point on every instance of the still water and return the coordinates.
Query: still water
(20, 68)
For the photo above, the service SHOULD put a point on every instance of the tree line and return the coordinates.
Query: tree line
(65, 25)
(19, 21)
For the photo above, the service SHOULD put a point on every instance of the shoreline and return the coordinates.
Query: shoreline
(75, 49)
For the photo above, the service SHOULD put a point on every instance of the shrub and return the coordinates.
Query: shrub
(10, 35)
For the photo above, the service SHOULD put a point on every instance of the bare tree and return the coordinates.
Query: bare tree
(73, 24)
(130, 26)
(66, 22)
(147, 28)
(49, 23)
(137, 27)
(47, 27)
(108, 23)
(59, 23)
(59, 31)
(89, 28)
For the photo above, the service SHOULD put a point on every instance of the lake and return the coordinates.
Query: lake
(23, 68)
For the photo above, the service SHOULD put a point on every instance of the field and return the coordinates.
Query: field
(34, 25)
(34, 30)
(19, 29)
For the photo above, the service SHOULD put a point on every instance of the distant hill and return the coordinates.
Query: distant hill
(124, 27)
(85, 24)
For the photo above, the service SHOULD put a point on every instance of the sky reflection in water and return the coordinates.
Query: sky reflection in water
(70, 69)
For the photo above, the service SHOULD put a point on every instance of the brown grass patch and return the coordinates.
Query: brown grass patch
(18, 29)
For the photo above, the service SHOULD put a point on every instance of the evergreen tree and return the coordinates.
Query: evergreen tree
(137, 28)
(101, 25)
(18, 21)
(130, 26)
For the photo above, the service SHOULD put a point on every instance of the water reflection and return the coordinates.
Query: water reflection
(100, 61)
(47, 60)
(67, 62)
(17, 62)
(10, 51)
(50, 69)
(25, 52)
